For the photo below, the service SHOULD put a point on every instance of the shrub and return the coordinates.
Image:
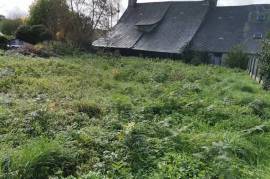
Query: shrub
(48, 164)
(248, 89)
(33, 34)
(56, 48)
(196, 58)
(9, 26)
(264, 64)
(162, 107)
(3, 42)
(41, 33)
(161, 77)
(219, 155)
(90, 175)
(258, 107)
(33, 51)
(213, 115)
(237, 58)
(122, 103)
(123, 74)
(63, 48)
(40, 159)
(37, 123)
(180, 166)
(24, 33)
(89, 108)
(141, 150)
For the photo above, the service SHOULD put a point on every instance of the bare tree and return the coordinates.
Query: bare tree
(76, 21)
(101, 12)
(90, 19)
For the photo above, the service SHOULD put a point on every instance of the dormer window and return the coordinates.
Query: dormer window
(146, 27)
(257, 36)
(149, 22)
(266, 7)
(260, 18)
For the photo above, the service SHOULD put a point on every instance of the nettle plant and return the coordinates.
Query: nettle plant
(265, 64)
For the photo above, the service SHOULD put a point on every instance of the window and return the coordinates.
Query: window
(221, 38)
(260, 18)
(257, 36)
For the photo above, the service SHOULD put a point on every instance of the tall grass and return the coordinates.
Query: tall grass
(104, 117)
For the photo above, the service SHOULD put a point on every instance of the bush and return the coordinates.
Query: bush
(24, 33)
(248, 89)
(61, 48)
(141, 150)
(180, 166)
(49, 164)
(264, 64)
(196, 58)
(33, 51)
(9, 26)
(237, 58)
(258, 107)
(33, 34)
(90, 175)
(91, 109)
(122, 103)
(3, 42)
(39, 159)
(41, 33)
(56, 48)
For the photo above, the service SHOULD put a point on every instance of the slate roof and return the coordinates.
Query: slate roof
(170, 27)
(176, 30)
(175, 25)
(254, 26)
(226, 27)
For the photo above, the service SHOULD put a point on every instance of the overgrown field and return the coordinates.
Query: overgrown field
(106, 117)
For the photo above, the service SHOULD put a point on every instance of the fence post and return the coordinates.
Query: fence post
(249, 65)
(256, 73)
(253, 67)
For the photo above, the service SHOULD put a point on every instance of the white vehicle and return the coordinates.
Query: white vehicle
(16, 43)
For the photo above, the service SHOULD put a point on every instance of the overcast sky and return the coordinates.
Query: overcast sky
(21, 7)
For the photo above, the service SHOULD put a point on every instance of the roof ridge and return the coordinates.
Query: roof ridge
(170, 1)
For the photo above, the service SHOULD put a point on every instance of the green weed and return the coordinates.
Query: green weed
(125, 117)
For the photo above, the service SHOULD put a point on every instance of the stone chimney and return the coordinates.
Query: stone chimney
(132, 3)
(212, 3)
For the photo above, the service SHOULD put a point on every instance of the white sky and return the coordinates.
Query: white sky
(10, 7)
(21, 7)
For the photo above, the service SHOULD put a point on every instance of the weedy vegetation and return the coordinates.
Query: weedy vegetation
(106, 117)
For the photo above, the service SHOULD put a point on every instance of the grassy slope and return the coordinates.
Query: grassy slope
(98, 116)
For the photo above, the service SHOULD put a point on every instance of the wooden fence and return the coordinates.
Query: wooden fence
(254, 70)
